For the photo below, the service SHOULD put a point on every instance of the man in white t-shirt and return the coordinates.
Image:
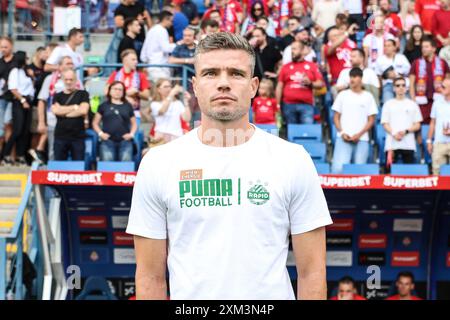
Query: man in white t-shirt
(370, 79)
(354, 115)
(226, 197)
(401, 118)
(75, 39)
(440, 129)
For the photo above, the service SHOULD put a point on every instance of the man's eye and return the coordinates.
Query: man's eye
(209, 73)
(237, 74)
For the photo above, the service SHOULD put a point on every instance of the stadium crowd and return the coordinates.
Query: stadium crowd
(371, 62)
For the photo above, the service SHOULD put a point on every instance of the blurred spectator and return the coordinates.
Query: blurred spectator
(230, 12)
(157, 46)
(256, 11)
(347, 290)
(118, 125)
(7, 63)
(440, 129)
(23, 10)
(370, 79)
(53, 84)
(389, 66)
(168, 110)
(401, 119)
(267, 25)
(426, 10)
(373, 43)
(405, 287)
(445, 52)
(268, 57)
(180, 21)
(413, 49)
(247, 6)
(354, 116)
(341, 23)
(215, 15)
(355, 10)
(71, 107)
(301, 35)
(280, 12)
(184, 53)
(392, 22)
(440, 26)
(409, 16)
(337, 51)
(131, 29)
(130, 9)
(298, 10)
(190, 10)
(136, 83)
(293, 24)
(74, 40)
(265, 107)
(21, 87)
(325, 11)
(426, 76)
(294, 91)
(207, 27)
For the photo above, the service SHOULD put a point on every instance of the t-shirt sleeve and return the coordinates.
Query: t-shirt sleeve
(130, 110)
(417, 114)
(101, 108)
(385, 113)
(112, 77)
(84, 96)
(412, 71)
(373, 109)
(433, 111)
(337, 105)
(44, 93)
(317, 73)
(148, 212)
(13, 79)
(282, 73)
(54, 56)
(308, 208)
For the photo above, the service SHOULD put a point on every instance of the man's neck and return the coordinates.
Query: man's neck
(8, 58)
(429, 58)
(357, 89)
(390, 55)
(225, 134)
(263, 45)
(131, 34)
(405, 297)
(68, 91)
(127, 69)
(72, 45)
(379, 33)
(400, 97)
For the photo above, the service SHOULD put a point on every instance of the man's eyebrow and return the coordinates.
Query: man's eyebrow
(212, 69)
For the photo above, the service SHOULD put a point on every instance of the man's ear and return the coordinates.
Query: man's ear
(254, 85)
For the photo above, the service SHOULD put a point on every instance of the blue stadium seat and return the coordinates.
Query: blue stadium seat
(302, 132)
(410, 169)
(322, 167)
(116, 166)
(445, 170)
(66, 165)
(317, 150)
(270, 128)
(373, 169)
(96, 288)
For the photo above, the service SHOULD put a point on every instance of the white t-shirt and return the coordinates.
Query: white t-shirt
(227, 213)
(62, 51)
(355, 108)
(400, 64)
(376, 46)
(170, 121)
(441, 113)
(353, 6)
(400, 115)
(369, 78)
(157, 47)
(19, 81)
(324, 12)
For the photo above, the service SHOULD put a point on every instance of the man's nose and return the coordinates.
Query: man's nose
(224, 81)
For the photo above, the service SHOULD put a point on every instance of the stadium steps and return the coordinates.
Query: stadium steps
(12, 185)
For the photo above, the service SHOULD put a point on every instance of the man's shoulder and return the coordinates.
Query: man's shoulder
(281, 147)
